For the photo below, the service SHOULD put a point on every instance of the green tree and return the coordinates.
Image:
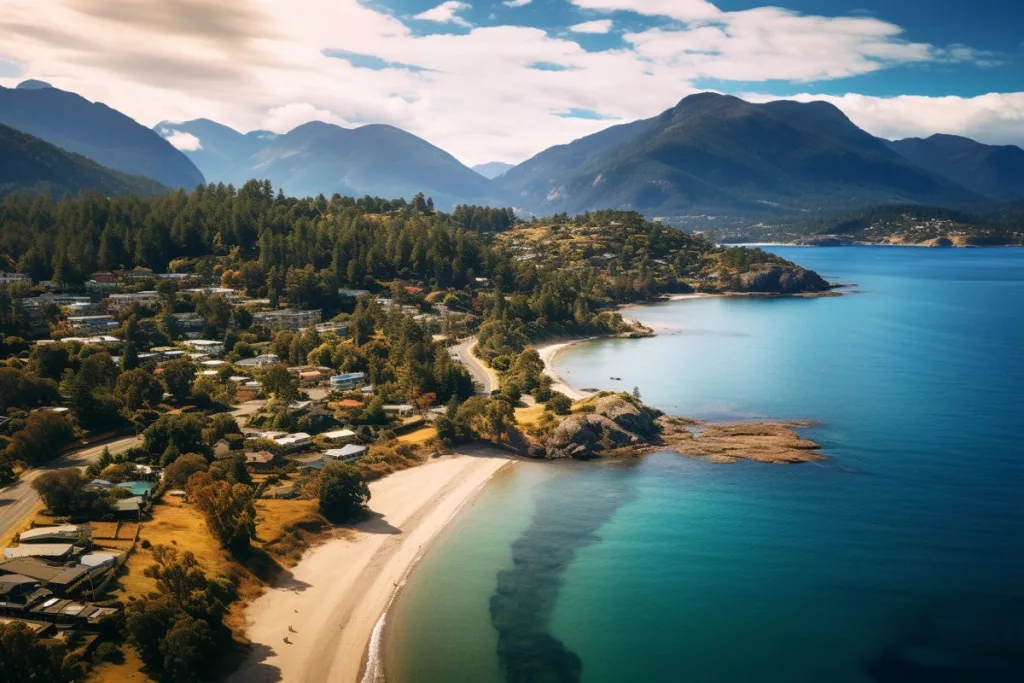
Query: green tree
(559, 403)
(44, 435)
(24, 657)
(343, 491)
(373, 413)
(280, 383)
(187, 648)
(137, 389)
(228, 509)
(178, 376)
(130, 352)
(60, 489)
(176, 474)
(183, 433)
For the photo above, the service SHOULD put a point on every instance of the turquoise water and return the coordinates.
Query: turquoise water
(901, 558)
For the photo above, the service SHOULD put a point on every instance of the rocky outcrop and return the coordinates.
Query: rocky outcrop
(607, 423)
(782, 280)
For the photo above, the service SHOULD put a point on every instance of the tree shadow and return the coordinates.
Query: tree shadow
(374, 523)
(254, 668)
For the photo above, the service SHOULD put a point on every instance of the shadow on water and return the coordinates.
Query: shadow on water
(569, 511)
(961, 641)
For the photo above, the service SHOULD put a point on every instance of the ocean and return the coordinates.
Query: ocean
(900, 558)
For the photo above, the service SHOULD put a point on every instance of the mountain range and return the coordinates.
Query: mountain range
(96, 131)
(322, 158)
(708, 155)
(35, 166)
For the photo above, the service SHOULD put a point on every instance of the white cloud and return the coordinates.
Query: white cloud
(179, 139)
(596, 26)
(683, 10)
(259, 64)
(516, 3)
(446, 13)
(995, 118)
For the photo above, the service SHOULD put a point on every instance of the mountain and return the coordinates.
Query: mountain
(719, 154)
(322, 158)
(35, 166)
(96, 131)
(492, 169)
(990, 170)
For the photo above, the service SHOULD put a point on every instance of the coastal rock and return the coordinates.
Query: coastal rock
(627, 414)
(586, 435)
(782, 280)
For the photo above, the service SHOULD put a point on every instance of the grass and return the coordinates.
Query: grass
(421, 435)
(179, 525)
(286, 528)
(527, 417)
(128, 671)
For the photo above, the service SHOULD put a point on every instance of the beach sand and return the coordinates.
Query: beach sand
(316, 623)
(547, 353)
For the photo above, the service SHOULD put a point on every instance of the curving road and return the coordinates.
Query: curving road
(485, 379)
(18, 499)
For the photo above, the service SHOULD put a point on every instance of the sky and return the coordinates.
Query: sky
(501, 80)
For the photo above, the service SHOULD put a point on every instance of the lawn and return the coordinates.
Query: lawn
(421, 435)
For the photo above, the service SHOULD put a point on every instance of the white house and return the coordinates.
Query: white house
(338, 435)
(346, 453)
(293, 441)
(400, 409)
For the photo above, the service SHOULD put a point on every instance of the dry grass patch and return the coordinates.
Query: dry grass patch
(128, 671)
(421, 435)
(24, 524)
(527, 417)
(177, 524)
(286, 528)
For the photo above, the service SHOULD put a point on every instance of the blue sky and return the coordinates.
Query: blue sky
(493, 80)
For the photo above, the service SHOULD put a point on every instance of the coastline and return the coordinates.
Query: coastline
(547, 352)
(339, 592)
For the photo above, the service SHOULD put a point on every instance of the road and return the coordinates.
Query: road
(485, 379)
(18, 499)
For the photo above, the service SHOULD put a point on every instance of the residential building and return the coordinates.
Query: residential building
(352, 380)
(353, 293)
(346, 453)
(93, 323)
(259, 361)
(34, 308)
(287, 318)
(340, 329)
(57, 578)
(400, 409)
(293, 441)
(64, 533)
(259, 460)
(118, 302)
(11, 278)
(54, 551)
(190, 324)
(206, 346)
(339, 435)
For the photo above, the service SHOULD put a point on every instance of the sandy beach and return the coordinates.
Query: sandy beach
(316, 623)
(547, 353)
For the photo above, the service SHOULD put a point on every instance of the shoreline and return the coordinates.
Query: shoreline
(547, 352)
(340, 591)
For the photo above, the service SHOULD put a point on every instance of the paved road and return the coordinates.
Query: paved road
(17, 499)
(482, 376)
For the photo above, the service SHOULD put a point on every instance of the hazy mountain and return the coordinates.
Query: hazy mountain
(990, 170)
(35, 166)
(96, 131)
(719, 154)
(324, 158)
(492, 169)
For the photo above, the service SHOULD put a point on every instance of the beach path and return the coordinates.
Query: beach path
(315, 624)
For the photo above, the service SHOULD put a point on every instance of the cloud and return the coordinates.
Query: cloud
(481, 93)
(179, 139)
(516, 3)
(284, 119)
(995, 118)
(596, 26)
(446, 13)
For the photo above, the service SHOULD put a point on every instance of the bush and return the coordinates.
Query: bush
(559, 403)
(343, 492)
(108, 652)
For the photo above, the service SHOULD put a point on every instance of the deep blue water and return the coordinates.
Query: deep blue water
(900, 558)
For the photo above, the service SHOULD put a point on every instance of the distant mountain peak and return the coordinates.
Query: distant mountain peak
(33, 84)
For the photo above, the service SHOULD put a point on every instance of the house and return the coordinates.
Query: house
(221, 450)
(352, 380)
(339, 434)
(15, 590)
(59, 579)
(129, 507)
(259, 460)
(399, 409)
(207, 346)
(293, 441)
(352, 293)
(11, 278)
(190, 324)
(350, 403)
(65, 533)
(309, 378)
(258, 361)
(340, 329)
(92, 323)
(119, 302)
(346, 453)
(54, 551)
(287, 319)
